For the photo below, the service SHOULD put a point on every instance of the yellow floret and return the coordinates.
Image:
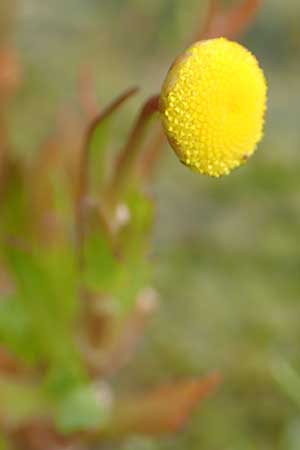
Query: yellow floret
(213, 105)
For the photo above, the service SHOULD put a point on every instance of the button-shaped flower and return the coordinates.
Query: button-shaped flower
(213, 104)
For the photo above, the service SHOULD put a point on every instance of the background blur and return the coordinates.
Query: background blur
(226, 252)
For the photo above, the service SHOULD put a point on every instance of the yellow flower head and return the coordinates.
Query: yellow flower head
(213, 103)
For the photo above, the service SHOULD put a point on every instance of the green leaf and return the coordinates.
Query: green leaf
(101, 265)
(20, 401)
(97, 156)
(291, 435)
(135, 272)
(14, 211)
(44, 303)
(16, 329)
(133, 276)
(62, 379)
(289, 380)
(80, 410)
(136, 234)
(62, 270)
(4, 443)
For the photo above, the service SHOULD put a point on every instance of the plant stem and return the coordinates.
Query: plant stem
(128, 155)
(83, 182)
(152, 154)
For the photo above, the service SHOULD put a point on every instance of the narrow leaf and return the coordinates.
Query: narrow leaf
(229, 22)
(163, 410)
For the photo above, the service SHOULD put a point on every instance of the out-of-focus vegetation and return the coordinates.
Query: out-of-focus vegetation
(226, 256)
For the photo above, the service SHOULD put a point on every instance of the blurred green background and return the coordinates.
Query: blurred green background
(226, 252)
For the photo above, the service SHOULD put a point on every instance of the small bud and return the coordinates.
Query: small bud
(213, 104)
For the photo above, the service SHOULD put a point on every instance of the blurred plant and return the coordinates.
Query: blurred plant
(75, 276)
(289, 381)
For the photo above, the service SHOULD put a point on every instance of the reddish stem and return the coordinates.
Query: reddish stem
(84, 162)
(129, 153)
(152, 154)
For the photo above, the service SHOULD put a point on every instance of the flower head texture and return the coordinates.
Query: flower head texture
(213, 104)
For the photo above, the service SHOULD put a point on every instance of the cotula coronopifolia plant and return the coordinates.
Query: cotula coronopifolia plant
(75, 272)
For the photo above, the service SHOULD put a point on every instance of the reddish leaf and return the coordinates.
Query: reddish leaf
(163, 410)
(120, 347)
(40, 435)
(229, 22)
(45, 223)
(9, 365)
(10, 72)
(87, 92)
